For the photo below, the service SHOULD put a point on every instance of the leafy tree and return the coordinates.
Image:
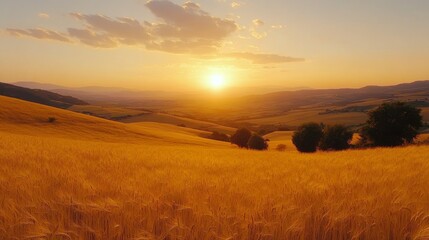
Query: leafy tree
(307, 137)
(336, 137)
(257, 142)
(392, 124)
(241, 137)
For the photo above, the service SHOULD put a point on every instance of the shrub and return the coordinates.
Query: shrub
(257, 142)
(307, 137)
(281, 147)
(336, 137)
(241, 137)
(392, 124)
(52, 119)
(219, 136)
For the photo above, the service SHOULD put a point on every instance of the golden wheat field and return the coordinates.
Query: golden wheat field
(70, 183)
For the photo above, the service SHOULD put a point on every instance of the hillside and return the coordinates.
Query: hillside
(179, 121)
(286, 108)
(62, 188)
(21, 117)
(82, 177)
(39, 96)
(102, 95)
(292, 108)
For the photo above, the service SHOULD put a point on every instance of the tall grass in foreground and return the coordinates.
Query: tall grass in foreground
(65, 189)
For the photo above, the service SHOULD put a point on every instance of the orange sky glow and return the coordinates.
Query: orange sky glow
(181, 45)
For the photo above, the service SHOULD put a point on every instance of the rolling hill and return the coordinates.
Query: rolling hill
(39, 96)
(346, 106)
(82, 177)
(224, 114)
(179, 121)
(104, 95)
(22, 117)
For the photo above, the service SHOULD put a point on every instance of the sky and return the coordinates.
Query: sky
(186, 45)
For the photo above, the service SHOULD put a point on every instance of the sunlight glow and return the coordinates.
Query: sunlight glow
(217, 81)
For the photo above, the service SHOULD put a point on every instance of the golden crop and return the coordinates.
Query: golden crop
(64, 189)
(153, 186)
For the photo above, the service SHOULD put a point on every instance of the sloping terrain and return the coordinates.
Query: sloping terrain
(112, 113)
(39, 96)
(287, 108)
(179, 121)
(59, 188)
(346, 106)
(21, 117)
(82, 177)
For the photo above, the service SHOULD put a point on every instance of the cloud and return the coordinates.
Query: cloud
(103, 29)
(254, 29)
(182, 28)
(38, 33)
(235, 5)
(43, 15)
(258, 22)
(258, 35)
(261, 58)
(179, 29)
(189, 21)
(278, 26)
(93, 39)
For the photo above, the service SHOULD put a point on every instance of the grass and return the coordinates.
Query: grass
(281, 137)
(106, 112)
(27, 118)
(54, 186)
(176, 120)
(297, 117)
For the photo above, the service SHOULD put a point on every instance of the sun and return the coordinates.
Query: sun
(217, 81)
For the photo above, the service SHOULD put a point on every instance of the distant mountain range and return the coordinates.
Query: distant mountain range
(127, 97)
(342, 95)
(103, 95)
(288, 103)
(345, 105)
(39, 96)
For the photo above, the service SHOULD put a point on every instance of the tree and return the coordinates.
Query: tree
(392, 124)
(241, 137)
(336, 137)
(307, 137)
(257, 142)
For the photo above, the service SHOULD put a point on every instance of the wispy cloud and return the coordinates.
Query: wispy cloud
(258, 22)
(181, 29)
(262, 58)
(43, 15)
(235, 4)
(39, 33)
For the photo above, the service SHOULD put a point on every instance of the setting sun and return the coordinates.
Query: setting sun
(217, 81)
(214, 119)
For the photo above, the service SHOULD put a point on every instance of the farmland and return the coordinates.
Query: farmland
(87, 178)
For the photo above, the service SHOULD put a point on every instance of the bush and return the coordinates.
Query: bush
(281, 147)
(336, 137)
(241, 137)
(307, 137)
(219, 136)
(257, 142)
(52, 119)
(392, 124)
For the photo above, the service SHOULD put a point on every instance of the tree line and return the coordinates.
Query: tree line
(391, 124)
